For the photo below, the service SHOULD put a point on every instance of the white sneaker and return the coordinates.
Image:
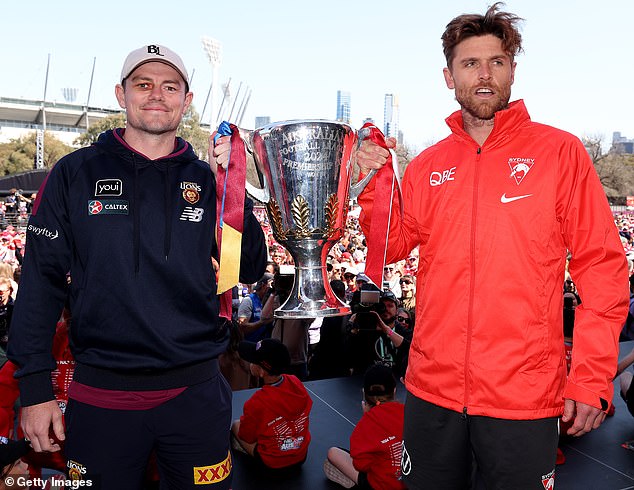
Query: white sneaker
(335, 474)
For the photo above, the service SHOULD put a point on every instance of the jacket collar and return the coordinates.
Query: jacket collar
(506, 123)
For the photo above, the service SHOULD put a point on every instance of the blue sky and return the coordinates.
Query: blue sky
(576, 72)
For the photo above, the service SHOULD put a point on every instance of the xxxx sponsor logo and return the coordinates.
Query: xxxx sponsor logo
(208, 475)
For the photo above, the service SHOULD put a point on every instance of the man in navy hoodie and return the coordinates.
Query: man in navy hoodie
(132, 218)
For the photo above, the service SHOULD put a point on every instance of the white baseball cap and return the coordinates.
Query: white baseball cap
(153, 52)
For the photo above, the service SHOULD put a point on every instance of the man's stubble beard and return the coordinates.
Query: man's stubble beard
(483, 110)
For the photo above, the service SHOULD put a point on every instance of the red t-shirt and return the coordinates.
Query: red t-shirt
(376, 445)
(276, 417)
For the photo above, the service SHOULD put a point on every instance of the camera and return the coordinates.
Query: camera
(370, 301)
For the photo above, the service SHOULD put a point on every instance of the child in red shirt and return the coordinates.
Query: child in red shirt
(374, 460)
(274, 425)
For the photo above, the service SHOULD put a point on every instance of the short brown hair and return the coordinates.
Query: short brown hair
(502, 25)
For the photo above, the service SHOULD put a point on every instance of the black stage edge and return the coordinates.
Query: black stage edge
(595, 461)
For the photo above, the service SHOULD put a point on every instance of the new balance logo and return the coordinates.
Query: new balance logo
(192, 214)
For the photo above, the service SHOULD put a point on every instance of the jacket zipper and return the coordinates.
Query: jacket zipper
(472, 241)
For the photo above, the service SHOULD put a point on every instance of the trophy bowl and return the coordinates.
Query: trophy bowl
(305, 169)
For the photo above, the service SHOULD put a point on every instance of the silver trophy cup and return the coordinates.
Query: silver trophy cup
(305, 169)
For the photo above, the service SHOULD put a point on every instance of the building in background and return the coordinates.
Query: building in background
(390, 116)
(621, 144)
(343, 106)
(65, 121)
(262, 121)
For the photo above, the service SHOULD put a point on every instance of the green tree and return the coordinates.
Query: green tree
(190, 130)
(110, 122)
(18, 155)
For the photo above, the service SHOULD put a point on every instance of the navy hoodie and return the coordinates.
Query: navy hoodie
(137, 236)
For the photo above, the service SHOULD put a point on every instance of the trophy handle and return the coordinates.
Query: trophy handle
(356, 189)
(261, 195)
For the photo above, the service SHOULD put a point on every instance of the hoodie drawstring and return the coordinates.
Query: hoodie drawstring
(136, 238)
(167, 240)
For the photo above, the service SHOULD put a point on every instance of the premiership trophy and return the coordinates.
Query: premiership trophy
(305, 168)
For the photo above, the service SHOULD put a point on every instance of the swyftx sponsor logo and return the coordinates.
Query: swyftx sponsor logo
(45, 232)
(107, 206)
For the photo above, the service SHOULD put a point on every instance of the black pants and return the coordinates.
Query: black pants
(441, 446)
(189, 435)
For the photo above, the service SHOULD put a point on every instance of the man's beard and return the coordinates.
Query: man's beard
(483, 109)
(389, 321)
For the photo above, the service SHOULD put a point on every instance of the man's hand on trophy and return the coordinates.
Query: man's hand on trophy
(371, 156)
(219, 151)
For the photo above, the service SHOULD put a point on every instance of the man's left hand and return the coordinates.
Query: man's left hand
(586, 417)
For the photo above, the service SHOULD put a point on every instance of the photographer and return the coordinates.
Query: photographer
(374, 336)
(252, 325)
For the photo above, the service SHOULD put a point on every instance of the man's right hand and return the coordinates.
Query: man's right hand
(371, 156)
(36, 422)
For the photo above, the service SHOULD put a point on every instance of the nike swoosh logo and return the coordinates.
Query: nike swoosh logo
(505, 199)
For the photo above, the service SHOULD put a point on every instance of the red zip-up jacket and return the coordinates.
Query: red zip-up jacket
(494, 223)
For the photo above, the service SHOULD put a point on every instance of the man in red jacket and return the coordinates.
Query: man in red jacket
(496, 206)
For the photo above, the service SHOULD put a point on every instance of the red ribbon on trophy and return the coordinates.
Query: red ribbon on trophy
(387, 180)
(230, 194)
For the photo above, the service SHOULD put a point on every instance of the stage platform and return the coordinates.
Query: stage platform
(595, 461)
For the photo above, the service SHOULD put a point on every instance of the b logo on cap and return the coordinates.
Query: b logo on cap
(154, 49)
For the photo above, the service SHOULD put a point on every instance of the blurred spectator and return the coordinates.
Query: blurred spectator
(628, 329)
(334, 271)
(391, 279)
(350, 279)
(6, 312)
(408, 291)
(627, 388)
(411, 263)
(372, 336)
(251, 323)
(292, 332)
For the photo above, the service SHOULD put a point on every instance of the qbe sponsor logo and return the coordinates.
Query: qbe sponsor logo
(437, 178)
(107, 206)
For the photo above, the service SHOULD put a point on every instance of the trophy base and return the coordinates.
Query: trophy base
(299, 313)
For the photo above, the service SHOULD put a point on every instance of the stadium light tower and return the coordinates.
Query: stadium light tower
(213, 49)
